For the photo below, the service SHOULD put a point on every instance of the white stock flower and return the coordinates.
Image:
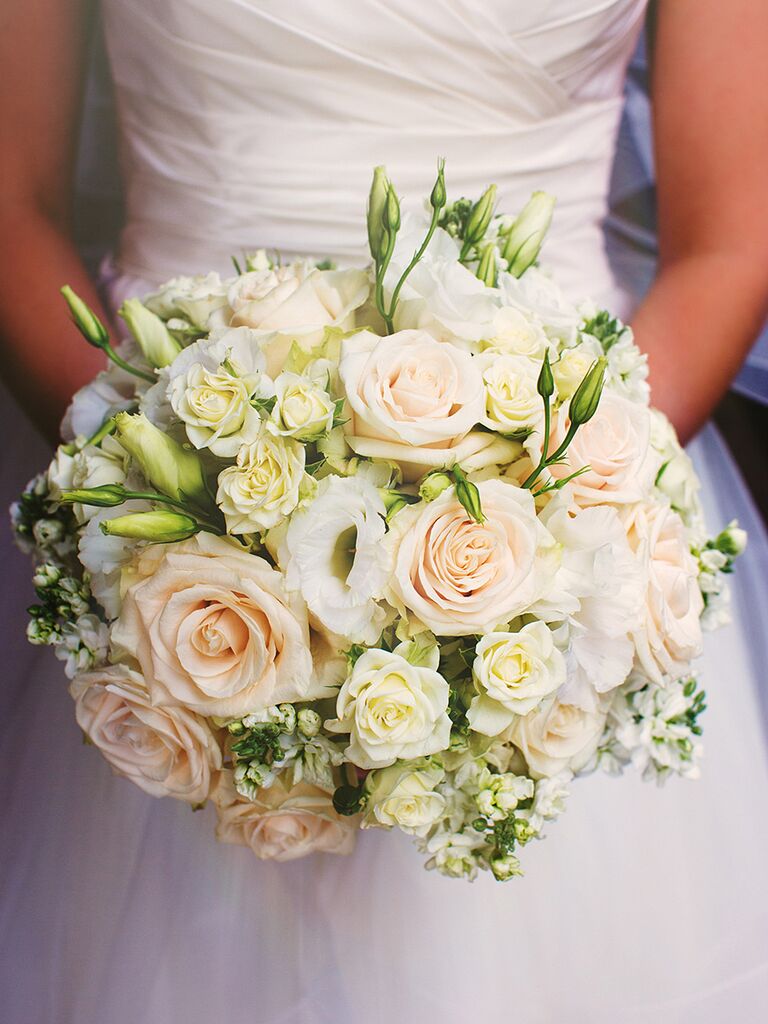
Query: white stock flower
(84, 643)
(499, 794)
(392, 710)
(211, 386)
(263, 487)
(513, 673)
(303, 407)
(669, 635)
(512, 403)
(332, 554)
(404, 796)
(557, 736)
(454, 853)
(460, 577)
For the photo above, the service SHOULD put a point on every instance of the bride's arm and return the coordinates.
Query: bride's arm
(41, 54)
(710, 99)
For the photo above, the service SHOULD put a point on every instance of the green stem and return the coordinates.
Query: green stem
(118, 361)
(416, 257)
(381, 270)
(531, 479)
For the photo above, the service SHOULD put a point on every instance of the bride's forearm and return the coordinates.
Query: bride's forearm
(697, 324)
(43, 358)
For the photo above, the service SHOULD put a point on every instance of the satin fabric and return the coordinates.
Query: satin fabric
(247, 123)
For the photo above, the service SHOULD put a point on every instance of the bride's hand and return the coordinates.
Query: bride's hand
(41, 355)
(710, 99)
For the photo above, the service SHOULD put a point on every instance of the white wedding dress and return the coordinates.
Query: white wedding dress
(251, 123)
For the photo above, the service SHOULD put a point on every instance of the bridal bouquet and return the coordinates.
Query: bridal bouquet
(402, 547)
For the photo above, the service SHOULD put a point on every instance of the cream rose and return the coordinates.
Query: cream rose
(262, 488)
(281, 824)
(615, 446)
(303, 409)
(392, 710)
(213, 629)
(165, 751)
(404, 796)
(256, 296)
(513, 333)
(512, 403)
(460, 577)
(570, 369)
(556, 737)
(513, 673)
(670, 634)
(413, 400)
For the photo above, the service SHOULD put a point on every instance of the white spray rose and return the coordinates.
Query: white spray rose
(303, 407)
(392, 710)
(512, 403)
(514, 333)
(570, 369)
(513, 673)
(264, 485)
(404, 795)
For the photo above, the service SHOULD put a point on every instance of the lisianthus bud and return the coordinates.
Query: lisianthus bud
(524, 239)
(392, 211)
(732, 540)
(376, 202)
(545, 384)
(172, 469)
(480, 217)
(104, 496)
(486, 268)
(433, 485)
(587, 396)
(160, 526)
(438, 198)
(505, 867)
(309, 722)
(86, 321)
(153, 337)
(468, 495)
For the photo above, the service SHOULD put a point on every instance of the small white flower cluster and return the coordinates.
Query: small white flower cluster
(715, 558)
(656, 730)
(402, 547)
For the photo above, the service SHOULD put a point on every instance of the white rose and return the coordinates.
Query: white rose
(558, 736)
(570, 369)
(404, 796)
(677, 477)
(513, 673)
(300, 309)
(512, 403)
(281, 824)
(211, 385)
(670, 634)
(541, 299)
(614, 450)
(392, 710)
(303, 408)
(263, 487)
(194, 299)
(165, 751)
(256, 296)
(332, 554)
(514, 333)
(460, 577)
(213, 629)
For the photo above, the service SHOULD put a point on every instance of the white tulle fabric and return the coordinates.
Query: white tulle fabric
(248, 123)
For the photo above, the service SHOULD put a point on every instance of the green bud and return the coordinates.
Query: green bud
(468, 495)
(438, 198)
(486, 268)
(545, 384)
(161, 526)
(155, 340)
(480, 217)
(346, 799)
(587, 396)
(732, 540)
(172, 469)
(105, 496)
(86, 321)
(524, 238)
(376, 201)
(391, 217)
(433, 485)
